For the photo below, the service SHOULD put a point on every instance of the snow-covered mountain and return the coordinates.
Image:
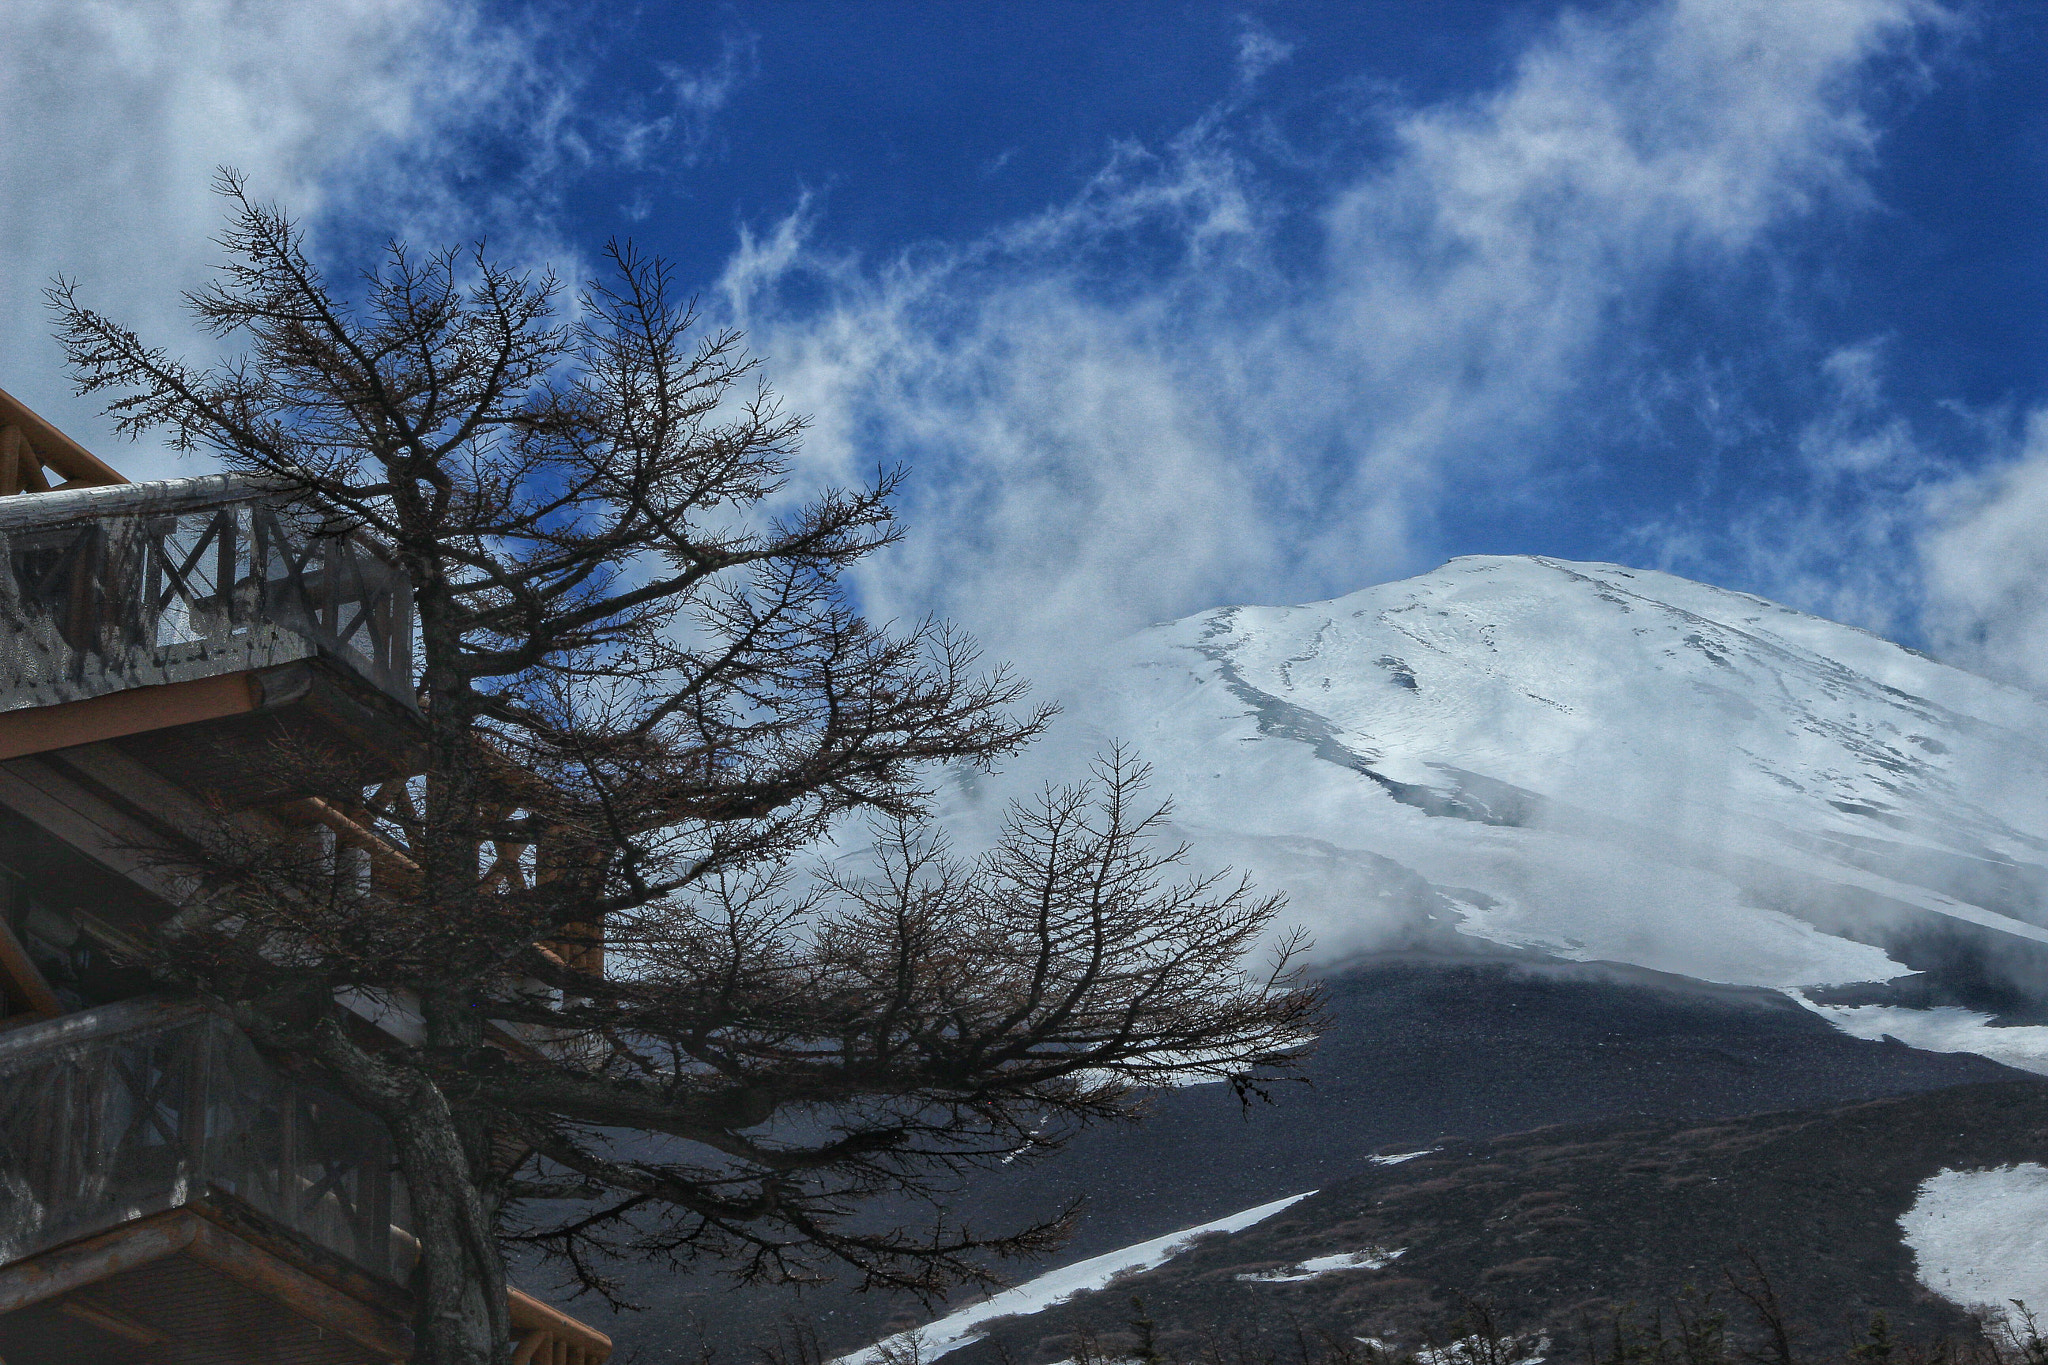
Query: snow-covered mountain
(1505, 760)
(1614, 764)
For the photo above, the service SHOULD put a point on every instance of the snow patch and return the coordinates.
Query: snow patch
(1944, 1028)
(1981, 1237)
(1372, 1258)
(959, 1328)
(1398, 1157)
(1476, 1350)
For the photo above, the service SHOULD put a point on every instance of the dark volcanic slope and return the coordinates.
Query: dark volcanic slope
(1415, 1050)
(1554, 1228)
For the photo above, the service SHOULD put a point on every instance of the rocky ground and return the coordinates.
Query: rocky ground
(1559, 1228)
(1416, 1050)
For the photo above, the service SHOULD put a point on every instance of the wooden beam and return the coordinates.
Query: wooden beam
(30, 468)
(110, 837)
(66, 1269)
(532, 1319)
(385, 856)
(131, 711)
(79, 466)
(58, 1272)
(145, 789)
(312, 1299)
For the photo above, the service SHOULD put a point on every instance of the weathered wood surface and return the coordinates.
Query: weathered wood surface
(134, 1107)
(304, 1295)
(24, 980)
(63, 1269)
(129, 712)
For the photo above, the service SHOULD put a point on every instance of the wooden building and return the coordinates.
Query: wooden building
(168, 1196)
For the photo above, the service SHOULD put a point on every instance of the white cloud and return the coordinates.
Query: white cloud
(1140, 403)
(118, 111)
(1857, 436)
(1985, 555)
(1258, 51)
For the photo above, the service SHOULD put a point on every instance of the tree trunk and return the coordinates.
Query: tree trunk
(463, 1318)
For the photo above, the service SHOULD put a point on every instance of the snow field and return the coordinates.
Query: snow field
(1981, 1237)
(958, 1328)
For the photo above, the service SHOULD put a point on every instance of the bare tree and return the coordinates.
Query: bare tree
(644, 694)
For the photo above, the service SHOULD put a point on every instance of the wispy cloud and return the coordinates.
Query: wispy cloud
(1258, 51)
(370, 112)
(685, 132)
(1223, 370)
(1838, 531)
(1142, 402)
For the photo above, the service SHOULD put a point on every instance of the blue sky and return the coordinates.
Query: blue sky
(1172, 304)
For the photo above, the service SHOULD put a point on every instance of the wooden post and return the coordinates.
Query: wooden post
(21, 470)
(25, 981)
(12, 446)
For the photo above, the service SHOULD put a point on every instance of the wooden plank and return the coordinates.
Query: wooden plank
(66, 1268)
(107, 1320)
(78, 465)
(309, 1298)
(35, 791)
(131, 711)
(144, 787)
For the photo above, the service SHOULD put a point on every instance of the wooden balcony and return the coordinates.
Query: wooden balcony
(168, 1196)
(211, 615)
(139, 1107)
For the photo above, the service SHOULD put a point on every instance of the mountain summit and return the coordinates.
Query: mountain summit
(1599, 763)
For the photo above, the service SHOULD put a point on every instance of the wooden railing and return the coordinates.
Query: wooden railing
(140, 1107)
(133, 1109)
(126, 586)
(547, 1336)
